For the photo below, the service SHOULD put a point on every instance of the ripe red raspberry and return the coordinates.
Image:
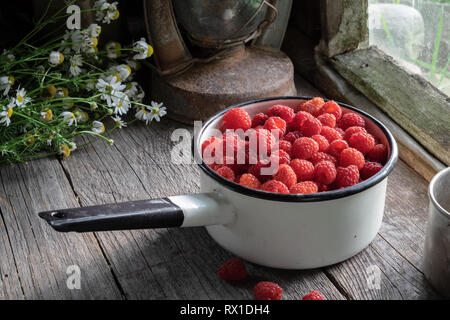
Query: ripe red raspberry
(378, 154)
(336, 148)
(284, 112)
(286, 175)
(313, 106)
(304, 187)
(362, 141)
(340, 131)
(231, 143)
(299, 118)
(261, 140)
(370, 169)
(275, 125)
(259, 119)
(323, 187)
(283, 156)
(325, 172)
(303, 169)
(332, 108)
(311, 127)
(255, 169)
(226, 172)
(321, 156)
(313, 295)
(285, 145)
(351, 120)
(266, 290)
(351, 131)
(304, 148)
(292, 136)
(330, 134)
(347, 176)
(250, 181)
(327, 119)
(275, 186)
(232, 270)
(209, 148)
(322, 141)
(351, 156)
(237, 118)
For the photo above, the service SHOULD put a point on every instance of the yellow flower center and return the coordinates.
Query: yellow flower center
(48, 115)
(103, 128)
(30, 140)
(65, 150)
(94, 42)
(117, 77)
(116, 15)
(11, 80)
(61, 58)
(128, 68)
(150, 50)
(10, 112)
(144, 111)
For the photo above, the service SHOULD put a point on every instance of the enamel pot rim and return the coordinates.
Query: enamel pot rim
(320, 196)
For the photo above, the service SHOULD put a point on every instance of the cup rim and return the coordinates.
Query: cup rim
(431, 192)
(313, 197)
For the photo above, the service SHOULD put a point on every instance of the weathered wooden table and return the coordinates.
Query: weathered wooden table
(176, 263)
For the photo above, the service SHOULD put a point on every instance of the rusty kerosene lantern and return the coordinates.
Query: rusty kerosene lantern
(233, 53)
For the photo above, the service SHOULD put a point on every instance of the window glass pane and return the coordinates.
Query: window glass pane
(416, 33)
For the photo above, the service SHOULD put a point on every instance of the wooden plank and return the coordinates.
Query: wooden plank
(42, 256)
(397, 250)
(165, 263)
(410, 100)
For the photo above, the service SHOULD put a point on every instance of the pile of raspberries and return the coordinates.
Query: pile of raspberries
(319, 148)
(234, 270)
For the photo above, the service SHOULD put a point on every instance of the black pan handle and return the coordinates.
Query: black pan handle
(177, 211)
(142, 214)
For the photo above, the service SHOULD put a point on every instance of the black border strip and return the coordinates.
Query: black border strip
(320, 196)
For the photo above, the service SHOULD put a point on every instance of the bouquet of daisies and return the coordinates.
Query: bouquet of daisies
(67, 87)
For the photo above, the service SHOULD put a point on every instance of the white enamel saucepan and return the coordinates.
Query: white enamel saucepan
(289, 231)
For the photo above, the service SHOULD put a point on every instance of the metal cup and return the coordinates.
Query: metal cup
(437, 241)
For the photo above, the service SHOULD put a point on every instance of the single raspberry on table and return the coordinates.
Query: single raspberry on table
(347, 176)
(351, 131)
(313, 106)
(275, 186)
(325, 172)
(351, 120)
(299, 118)
(266, 290)
(304, 148)
(276, 124)
(237, 118)
(327, 119)
(286, 175)
(322, 141)
(259, 119)
(362, 141)
(311, 127)
(336, 148)
(332, 108)
(304, 187)
(303, 169)
(351, 156)
(233, 270)
(378, 153)
(284, 112)
(292, 136)
(330, 134)
(226, 172)
(370, 169)
(321, 156)
(285, 145)
(250, 181)
(313, 295)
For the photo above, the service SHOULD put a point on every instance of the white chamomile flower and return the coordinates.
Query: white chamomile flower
(144, 114)
(21, 98)
(5, 115)
(75, 65)
(61, 92)
(113, 49)
(109, 89)
(119, 122)
(81, 116)
(121, 103)
(158, 110)
(106, 12)
(82, 41)
(134, 65)
(123, 70)
(98, 127)
(94, 30)
(131, 89)
(69, 117)
(6, 82)
(55, 58)
(46, 115)
(143, 49)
